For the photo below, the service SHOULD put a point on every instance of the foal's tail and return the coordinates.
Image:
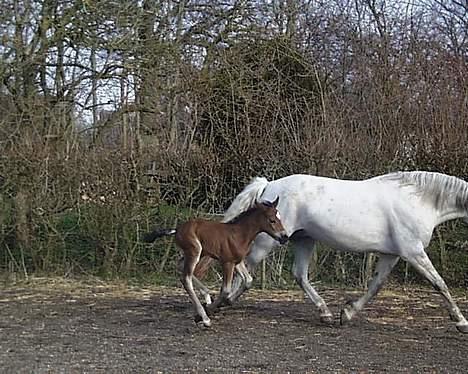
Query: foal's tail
(246, 199)
(158, 233)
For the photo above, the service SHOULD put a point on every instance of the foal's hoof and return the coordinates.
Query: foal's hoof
(453, 317)
(346, 314)
(210, 310)
(344, 317)
(327, 319)
(463, 327)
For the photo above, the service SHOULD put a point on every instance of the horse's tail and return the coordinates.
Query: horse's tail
(246, 199)
(158, 233)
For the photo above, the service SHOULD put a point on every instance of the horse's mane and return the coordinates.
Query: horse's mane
(249, 212)
(440, 188)
(246, 198)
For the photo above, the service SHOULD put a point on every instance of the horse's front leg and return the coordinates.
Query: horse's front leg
(228, 272)
(423, 265)
(383, 268)
(303, 249)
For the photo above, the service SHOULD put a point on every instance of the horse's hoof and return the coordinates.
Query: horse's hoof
(327, 319)
(463, 327)
(205, 323)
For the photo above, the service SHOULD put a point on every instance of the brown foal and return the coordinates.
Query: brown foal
(227, 242)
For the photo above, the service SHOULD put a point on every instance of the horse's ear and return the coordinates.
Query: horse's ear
(275, 203)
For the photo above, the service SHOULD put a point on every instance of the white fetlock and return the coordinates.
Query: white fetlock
(326, 318)
(347, 313)
(208, 300)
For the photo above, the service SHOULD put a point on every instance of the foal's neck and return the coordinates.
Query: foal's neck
(249, 227)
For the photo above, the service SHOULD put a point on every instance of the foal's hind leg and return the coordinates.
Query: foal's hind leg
(423, 265)
(190, 262)
(303, 249)
(204, 291)
(383, 268)
(228, 272)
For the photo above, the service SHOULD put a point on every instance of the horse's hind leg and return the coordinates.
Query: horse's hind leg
(423, 265)
(190, 261)
(303, 249)
(383, 268)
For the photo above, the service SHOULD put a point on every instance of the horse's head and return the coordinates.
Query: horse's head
(271, 221)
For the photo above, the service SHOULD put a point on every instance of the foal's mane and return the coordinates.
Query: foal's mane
(438, 187)
(247, 213)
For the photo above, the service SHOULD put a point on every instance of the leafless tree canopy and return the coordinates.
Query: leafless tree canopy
(117, 115)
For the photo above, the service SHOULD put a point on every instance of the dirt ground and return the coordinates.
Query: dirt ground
(56, 326)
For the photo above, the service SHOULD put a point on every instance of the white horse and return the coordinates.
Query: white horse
(393, 215)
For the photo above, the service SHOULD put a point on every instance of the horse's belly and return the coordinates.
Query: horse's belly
(349, 241)
(352, 233)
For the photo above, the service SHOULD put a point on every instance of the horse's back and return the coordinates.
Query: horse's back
(346, 214)
(328, 193)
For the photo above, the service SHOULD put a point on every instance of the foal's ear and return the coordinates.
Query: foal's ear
(275, 203)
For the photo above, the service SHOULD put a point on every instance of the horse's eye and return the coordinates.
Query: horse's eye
(272, 220)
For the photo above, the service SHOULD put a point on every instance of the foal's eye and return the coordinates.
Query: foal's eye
(272, 220)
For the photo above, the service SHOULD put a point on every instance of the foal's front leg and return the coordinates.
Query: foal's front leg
(228, 271)
(246, 282)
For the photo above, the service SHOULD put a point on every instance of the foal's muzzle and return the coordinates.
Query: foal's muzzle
(283, 238)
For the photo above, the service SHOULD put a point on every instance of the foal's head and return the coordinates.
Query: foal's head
(269, 220)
